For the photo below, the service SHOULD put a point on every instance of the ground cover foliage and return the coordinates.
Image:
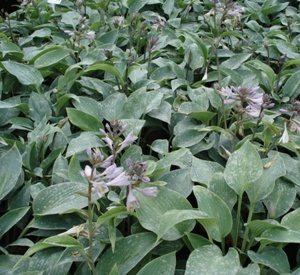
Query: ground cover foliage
(150, 137)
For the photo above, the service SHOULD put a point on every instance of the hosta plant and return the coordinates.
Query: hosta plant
(150, 137)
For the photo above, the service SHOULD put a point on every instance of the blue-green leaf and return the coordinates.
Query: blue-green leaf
(243, 167)
(10, 170)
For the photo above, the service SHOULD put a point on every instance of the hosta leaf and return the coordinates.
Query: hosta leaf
(243, 167)
(61, 101)
(135, 105)
(163, 112)
(281, 199)
(292, 220)
(10, 170)
(257, 227)
(83, 120)
(209, 259)
(170, 158)
(39, 107)
(179, 180)
(133, 152)
(168, 7)
(292, 87)
(10, 218)
(160, 146)
(279, 235)
(112, 213)
(128, 253)
(22, 242)
(51, 58)
(193, 56)
(162, 265)
(199, 42)
(63, 241)
(75, 169)
(71, 18)
(114, 270)
(112, 106)
(187, 138)
(288, 49)
(153, 101)
(272, 257)
(151, 211)
(273, 169)
(218, 185)
(84, 141)
(197, 240)
(89, 106)
(33, 249)
(109, 37)
(236, 60)
(251, 269)
(163, 73)
(26, 74)
(10, 48)
(96, 85)
(292, 169)
(60, 198)
(258, 65)
(107, 68)
(54, 222)
(205, 117)
(52, 261)
(136, 73)
(202, 170)
(214, 207)
(173, 217)
(191, 107)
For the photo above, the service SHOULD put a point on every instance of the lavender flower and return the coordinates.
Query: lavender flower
(121, 180)
(112, 136)
(118, 21)
(285, 136)
(109, 142)
(111, 172)
(100, 188)
(56, 2)
(88, 172)
(90, 35)
(235, 11)
(295, 127)
(253, 110)
(158, 22)
(241, 96)
(24, 2)
(148, 191)
(127, 141)
(132, 202)
(112, 176)
(294, 108)
(97, 159)
(137, 170)
(53, 3)
(70, 33)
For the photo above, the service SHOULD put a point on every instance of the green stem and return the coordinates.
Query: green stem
(91, 228)
(26, 229)
(251, 210)
(238, 215)
(149, 60)
(223, 245)
(187, 243)
(256, 126)
(250, 243)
